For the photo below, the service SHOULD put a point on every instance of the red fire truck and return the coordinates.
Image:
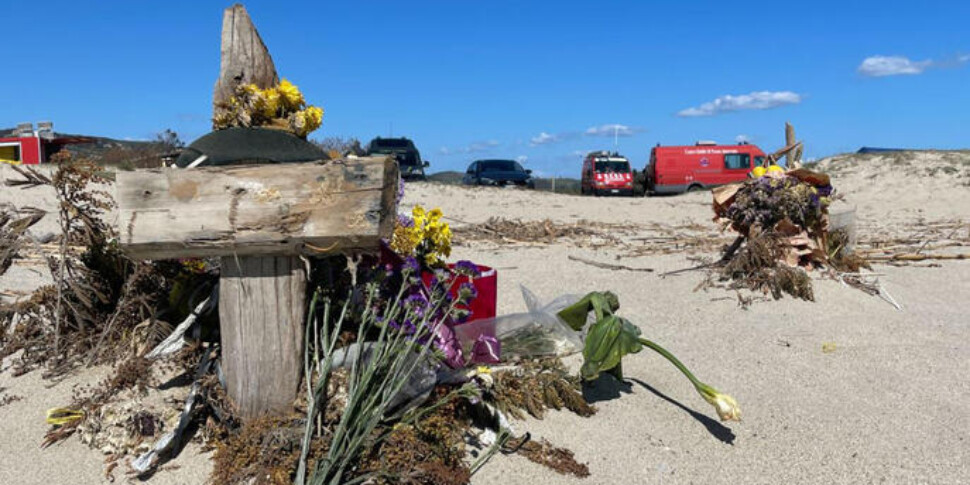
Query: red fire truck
(677, 169)
(29, 147)
(605, 173)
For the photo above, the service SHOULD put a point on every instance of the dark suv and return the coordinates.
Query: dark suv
(407, 155)
(498, 172)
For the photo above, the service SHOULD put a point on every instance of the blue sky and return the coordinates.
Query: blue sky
(541, 80)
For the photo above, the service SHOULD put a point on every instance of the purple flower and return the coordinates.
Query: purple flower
(407, 326)
(467, 268)
(462, 316)
(405, 220)
(417, 303)
(411, 264)
(467, 292)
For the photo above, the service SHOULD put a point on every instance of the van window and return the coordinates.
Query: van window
(737, 161)
(607, 166)
(759, 160)
(472, 168)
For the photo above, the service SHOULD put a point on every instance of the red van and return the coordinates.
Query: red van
(605, 173)
(677, 169)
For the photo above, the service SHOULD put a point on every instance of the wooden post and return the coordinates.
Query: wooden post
(261, 306)
(791, 158)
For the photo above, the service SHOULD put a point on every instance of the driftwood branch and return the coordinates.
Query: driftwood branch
(615, 267)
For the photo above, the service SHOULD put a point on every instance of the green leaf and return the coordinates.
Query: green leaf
(604, 303)
(607, 341)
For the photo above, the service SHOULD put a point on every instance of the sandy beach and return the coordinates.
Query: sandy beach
(891, 403)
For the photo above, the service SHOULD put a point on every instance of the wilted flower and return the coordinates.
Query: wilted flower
(727, 408)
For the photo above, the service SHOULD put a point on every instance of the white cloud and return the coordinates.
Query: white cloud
(742, 139)
(754, 101)
(522, 158)
(543, 138)
(878, 66)
(481, 146)
(612, 129)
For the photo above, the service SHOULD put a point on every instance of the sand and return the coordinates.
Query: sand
(891, 404)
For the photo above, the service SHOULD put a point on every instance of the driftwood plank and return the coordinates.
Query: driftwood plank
(261, 306)
(258, 209)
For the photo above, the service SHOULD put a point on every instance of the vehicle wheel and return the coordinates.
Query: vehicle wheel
(695, 188)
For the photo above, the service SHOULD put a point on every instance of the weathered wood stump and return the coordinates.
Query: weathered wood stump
(258, 219)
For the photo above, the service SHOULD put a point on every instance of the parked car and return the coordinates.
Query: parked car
(677, 169)
(407, 155)
(498, 172)
(605, 173)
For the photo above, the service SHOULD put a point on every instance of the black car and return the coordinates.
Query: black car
(498, 172)
(407, 155)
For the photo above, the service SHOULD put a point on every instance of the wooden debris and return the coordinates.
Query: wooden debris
(615, 267)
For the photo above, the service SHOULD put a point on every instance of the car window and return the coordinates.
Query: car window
(500, 166)
(471, 168)
(737, 161)
(407, 158)
(390, 143)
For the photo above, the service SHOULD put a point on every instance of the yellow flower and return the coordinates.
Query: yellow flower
(419, 216)
(250, 89)
(291, 96)
(314, 118)
(270, 105)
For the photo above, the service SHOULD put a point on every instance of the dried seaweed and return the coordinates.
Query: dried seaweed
(758, 266)
(546, 454)
(99, 297)
(13, 228)
(582, 233)
(429, 452)
(264, 451)
(840, 257)
(535, 386)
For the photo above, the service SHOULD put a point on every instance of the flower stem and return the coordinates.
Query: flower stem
(673, 360)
